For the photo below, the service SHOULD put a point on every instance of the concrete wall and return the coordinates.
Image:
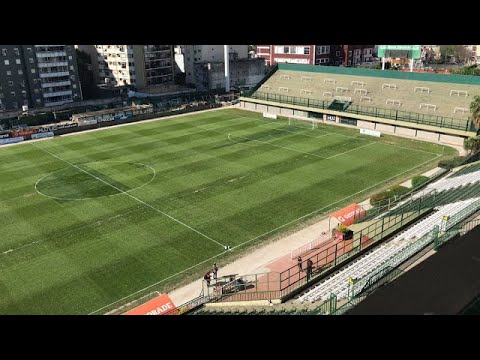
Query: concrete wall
(385, 128)
(300, 113)
(390, 129)
(449, 139)
(427, 135)
(405, 131)
(287, 112)
(365, 124)
(262, 108)
(244, 72)
(273, 109)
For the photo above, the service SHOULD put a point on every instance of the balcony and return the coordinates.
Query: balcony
(54, 74)
(44, 54)
(52, 64)
(57, 93)
(57, 103)
(57, 83)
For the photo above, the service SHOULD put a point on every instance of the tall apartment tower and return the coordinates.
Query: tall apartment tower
(138, 65)
(38, 76)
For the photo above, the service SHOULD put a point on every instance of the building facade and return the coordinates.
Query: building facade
(354, 55)
(38, 76)
(346, 55)
(243, 73)
(194, 54)
(138, 65)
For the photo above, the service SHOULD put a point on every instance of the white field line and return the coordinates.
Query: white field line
(96, 223)
(345, 152)
(81, 199)
(303, 152)
(267, 143)
(130, 195)
(259, 236)
(336, 202)
(158, 282)
(355, 137)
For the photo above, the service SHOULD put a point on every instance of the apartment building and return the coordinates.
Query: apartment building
(38, 76)
(138, 65)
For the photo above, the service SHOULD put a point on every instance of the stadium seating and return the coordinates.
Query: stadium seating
(466, 170)
(338, 282)
(376, 92)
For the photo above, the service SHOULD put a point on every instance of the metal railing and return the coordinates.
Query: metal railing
(315, 244)
(397, 115)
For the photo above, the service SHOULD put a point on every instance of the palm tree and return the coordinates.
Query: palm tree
(475, 110)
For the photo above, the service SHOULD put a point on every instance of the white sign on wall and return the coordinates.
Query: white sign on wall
(370, 132)
(270, 116)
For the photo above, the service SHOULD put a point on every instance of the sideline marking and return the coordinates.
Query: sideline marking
(259, 236)
(130, 195)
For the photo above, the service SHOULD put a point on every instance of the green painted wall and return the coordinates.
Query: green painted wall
(454, 79)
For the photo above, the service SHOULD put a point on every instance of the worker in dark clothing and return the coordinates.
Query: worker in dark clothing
(299, 261)
(309, 269)
(207, 278)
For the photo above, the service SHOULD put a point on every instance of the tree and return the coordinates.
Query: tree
(455, 53)
(475, 110)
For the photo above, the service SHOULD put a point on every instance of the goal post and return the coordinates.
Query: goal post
(306, 123)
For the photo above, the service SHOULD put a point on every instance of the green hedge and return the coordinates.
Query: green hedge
(451, 163)
(390, 194)
(419, 180)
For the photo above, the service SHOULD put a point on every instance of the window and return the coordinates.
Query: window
(337, 53)
(306, 51)
(286, 50)
(74, 86)
(17, 61)
(6, 62)
(12, 93)
(20, 72)
(33, 71)
(30, 60)
(4, 52)
(1, 95)
(16, 51)
(38, 101)
(70, 57)
(323, 49)
(9, 72)
(71, 67)
(36, 91)
(14, 105)
(29, 50)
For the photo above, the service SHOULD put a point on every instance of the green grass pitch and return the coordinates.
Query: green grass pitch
(94, 220)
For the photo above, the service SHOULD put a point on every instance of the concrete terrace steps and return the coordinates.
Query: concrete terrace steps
(405, 93)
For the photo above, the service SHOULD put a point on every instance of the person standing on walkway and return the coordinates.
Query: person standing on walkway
(299, 261)
(309, 269)
(207, 278)
(215, 270)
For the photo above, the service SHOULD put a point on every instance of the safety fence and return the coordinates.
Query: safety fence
(315, 244)
(391, 114)
(279, 285)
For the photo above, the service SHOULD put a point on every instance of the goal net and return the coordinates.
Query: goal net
(305, 123)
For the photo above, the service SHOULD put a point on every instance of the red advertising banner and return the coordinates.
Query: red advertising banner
(23, 133)
(158, 306)
(348, 214)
